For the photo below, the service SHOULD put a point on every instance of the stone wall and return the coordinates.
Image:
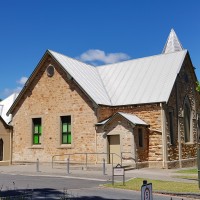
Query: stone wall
(185, 86)
(5, 132)
(151, 114)
(49, 98)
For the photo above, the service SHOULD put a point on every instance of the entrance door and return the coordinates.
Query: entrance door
(1, 149)
(114, 147)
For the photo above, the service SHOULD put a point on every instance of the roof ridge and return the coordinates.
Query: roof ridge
(156, 55)
(70, 57)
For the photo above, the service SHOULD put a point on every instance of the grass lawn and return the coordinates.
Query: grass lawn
(187, 171)
(158, 185)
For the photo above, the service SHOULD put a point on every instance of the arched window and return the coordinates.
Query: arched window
(1, 149)
(187, 120)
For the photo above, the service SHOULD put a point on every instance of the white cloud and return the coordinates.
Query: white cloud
(23, 80)
(8, 91)
(17, 89)
(96, 55)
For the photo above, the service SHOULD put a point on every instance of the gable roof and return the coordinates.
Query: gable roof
(4, 123)
(133, 119)
(85, 75)
(5, 106)
(138, 81)
(144, 80)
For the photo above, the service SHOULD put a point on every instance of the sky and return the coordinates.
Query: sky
(94, 31)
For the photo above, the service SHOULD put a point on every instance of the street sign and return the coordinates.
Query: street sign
(146, 192)
(118, 171)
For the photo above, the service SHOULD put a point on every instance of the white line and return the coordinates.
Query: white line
(58, 176)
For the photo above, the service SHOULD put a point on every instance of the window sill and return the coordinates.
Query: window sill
(65, 146)
(36, 147)
(189, 143)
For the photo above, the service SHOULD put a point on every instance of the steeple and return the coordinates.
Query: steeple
(173, 44)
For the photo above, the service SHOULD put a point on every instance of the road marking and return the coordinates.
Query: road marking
(58, 176)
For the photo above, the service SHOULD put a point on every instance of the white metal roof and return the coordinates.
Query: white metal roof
(133, 119)
(130, 117)
(144, 80)
(138, 81)
(86, 76)
(173, 44)
(5, 106)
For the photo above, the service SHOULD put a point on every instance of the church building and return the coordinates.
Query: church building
(143, 111)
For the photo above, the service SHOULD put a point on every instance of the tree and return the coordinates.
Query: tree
(198, 86)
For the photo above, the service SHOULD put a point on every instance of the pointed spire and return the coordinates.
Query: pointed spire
(173, 44)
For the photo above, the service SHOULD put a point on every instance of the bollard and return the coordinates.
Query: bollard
(144, 182)
(68, 165)
(86, 161)
(37, 165)
(104, 167)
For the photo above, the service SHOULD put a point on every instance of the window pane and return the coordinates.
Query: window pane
(69, 138)
(36, 139)
(65, 127)
(64, 139)
(140, 137)
(69, 127)
(40, 129)
(36, 129)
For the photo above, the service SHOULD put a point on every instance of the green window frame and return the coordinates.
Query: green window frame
(37, 130)
(66, 136)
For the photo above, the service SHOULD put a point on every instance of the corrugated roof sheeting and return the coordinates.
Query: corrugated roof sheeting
(133, 119)
(130, 117)
(5, 106)
(86, 76)
(145, 80)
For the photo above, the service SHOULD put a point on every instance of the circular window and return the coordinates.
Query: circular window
(50, 70)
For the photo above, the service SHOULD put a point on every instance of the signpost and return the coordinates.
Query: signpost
(118, 171)
(146, 191)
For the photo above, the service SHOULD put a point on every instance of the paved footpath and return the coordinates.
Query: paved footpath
(91, 174)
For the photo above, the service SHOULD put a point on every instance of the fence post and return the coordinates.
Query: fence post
(68, 165)
(86, 157)
(37, 165)
(104, 167)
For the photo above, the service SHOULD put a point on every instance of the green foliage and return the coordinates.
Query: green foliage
(198, 86)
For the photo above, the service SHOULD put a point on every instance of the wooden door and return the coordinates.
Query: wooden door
(114, 147)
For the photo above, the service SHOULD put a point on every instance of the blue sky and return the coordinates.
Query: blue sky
(100, 31)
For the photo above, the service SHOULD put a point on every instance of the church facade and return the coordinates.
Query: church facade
(143, 111)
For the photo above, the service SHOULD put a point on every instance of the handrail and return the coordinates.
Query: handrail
(135, 159)
(86, 155)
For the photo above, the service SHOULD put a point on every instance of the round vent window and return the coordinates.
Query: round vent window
(50, 70)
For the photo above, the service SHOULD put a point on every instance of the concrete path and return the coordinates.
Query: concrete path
(92, 173)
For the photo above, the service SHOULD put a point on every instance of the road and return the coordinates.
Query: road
(47, 187)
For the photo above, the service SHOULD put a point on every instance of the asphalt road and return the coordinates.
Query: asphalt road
(46, 187)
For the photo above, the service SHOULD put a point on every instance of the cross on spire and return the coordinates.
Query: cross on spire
(173, 44)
